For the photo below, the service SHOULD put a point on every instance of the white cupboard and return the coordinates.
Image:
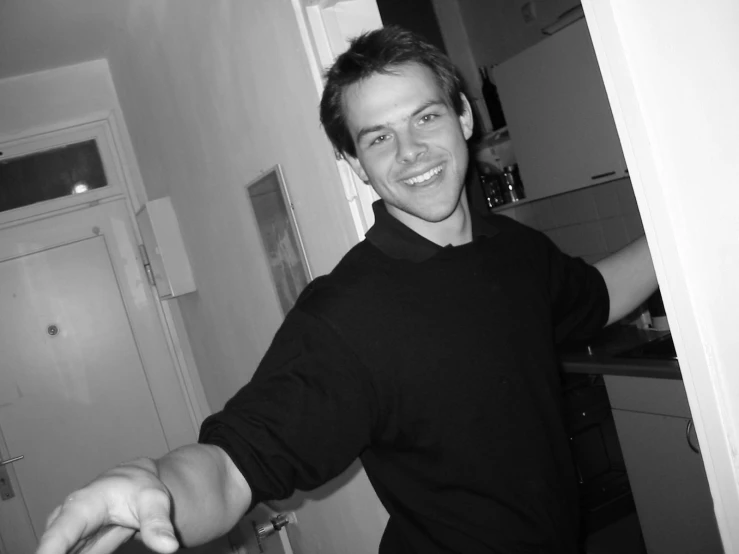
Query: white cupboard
(664, 465)
(558, 115)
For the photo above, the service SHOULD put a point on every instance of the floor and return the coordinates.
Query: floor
(621, 537)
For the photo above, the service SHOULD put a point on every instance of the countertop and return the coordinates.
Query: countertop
(597, 355)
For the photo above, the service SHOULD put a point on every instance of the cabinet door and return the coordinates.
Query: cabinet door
(558, 115)
(669, 484)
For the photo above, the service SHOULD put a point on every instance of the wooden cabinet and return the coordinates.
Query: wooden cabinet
(666, 475)
(558, 115)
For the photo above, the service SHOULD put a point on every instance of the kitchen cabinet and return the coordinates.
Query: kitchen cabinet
(558, 115)
(665, 472)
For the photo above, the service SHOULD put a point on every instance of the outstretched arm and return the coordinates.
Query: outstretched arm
(188, 497)
(630, 278)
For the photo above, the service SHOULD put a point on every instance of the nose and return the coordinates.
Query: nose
(410, 148)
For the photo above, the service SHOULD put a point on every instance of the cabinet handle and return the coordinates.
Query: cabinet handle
(694, 447)
(601, 175)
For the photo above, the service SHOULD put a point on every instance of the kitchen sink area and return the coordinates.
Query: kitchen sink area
(624, 350)
(660, 348)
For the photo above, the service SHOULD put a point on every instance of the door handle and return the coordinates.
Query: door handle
(694, 447)
(6, 489)
(10, 460)
(270, 528)
(274, 525)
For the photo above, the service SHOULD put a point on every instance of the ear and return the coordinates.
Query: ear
(356, 165)
(465, 118)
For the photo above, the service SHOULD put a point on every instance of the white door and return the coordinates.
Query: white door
(86, 379)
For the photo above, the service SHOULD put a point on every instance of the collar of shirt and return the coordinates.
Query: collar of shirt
(398, 241)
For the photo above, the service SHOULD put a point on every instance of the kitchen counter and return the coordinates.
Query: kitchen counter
(599, 355)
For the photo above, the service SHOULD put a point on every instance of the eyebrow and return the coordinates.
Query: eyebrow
(368, 130)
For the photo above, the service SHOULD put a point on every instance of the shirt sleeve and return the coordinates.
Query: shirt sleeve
(580, 301)
(305, 416)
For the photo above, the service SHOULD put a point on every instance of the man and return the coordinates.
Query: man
(428, 352)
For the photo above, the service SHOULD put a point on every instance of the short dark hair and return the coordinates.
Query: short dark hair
(381, 51)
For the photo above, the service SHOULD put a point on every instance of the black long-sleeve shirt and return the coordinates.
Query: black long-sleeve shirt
(436, 366)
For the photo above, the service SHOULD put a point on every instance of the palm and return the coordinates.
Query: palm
(109, 511)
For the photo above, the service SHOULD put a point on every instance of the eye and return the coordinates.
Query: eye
(429, 117)
(379, 140)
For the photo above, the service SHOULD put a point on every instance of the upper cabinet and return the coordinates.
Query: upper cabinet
(558, 115)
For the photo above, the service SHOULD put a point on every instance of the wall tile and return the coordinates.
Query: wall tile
(510, 212)
(634, 226)
(555, 236)
(615, 234)
(626, 198)
(544, 213)
(582, 239)
(593, 258)
(607, 199)
(562, 210)
(582, 204)
(526, 215)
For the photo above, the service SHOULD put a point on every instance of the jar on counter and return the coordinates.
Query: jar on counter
(512, 185)
(491, 188)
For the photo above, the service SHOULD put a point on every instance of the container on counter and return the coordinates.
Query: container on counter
(512, 185)
(492, 189)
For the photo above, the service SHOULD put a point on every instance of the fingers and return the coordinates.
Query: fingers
(100, 517)
(157, 532)
(105, 541)
(68, 524)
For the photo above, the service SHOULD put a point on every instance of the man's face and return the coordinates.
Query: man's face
(411, 145)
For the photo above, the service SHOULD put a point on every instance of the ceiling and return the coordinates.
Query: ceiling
(41, 34)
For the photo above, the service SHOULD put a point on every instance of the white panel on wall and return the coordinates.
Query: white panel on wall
(165, 248)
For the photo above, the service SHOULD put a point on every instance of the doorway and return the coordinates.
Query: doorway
(86, 378)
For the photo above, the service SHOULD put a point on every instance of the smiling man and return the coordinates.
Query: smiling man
(428, 352)
(411, 147)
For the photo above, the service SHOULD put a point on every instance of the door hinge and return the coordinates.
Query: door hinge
(147, 265)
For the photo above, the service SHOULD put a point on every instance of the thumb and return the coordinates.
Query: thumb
(154, 511)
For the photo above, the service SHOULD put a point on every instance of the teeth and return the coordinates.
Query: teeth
(425, 177)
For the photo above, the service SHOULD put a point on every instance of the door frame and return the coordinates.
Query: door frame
(326, 26)
(122, 172)
(653, 79)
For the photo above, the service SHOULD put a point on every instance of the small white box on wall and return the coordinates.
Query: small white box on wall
(167, 261)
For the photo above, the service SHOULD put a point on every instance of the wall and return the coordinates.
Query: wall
(456, 40)
(684, 170)
(55, 97)
(214, 93)
(590, 223)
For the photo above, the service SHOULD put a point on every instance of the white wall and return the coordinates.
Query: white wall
(213, 93)
(55, 97)
(671, 70)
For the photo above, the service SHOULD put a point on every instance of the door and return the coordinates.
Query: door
(86, 379)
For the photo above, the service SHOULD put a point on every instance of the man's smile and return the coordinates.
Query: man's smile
(420, 179)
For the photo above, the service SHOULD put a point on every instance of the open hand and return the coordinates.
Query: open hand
(120, 503)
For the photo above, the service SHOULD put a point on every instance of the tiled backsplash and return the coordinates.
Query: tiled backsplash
(590, 223)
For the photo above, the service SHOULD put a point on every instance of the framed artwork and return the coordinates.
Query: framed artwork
(278, 229)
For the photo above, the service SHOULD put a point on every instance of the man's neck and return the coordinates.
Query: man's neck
(454, 230)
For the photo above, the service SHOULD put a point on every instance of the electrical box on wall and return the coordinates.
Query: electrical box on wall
(164, 251)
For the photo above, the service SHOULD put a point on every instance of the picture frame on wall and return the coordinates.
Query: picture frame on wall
(280, 236)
